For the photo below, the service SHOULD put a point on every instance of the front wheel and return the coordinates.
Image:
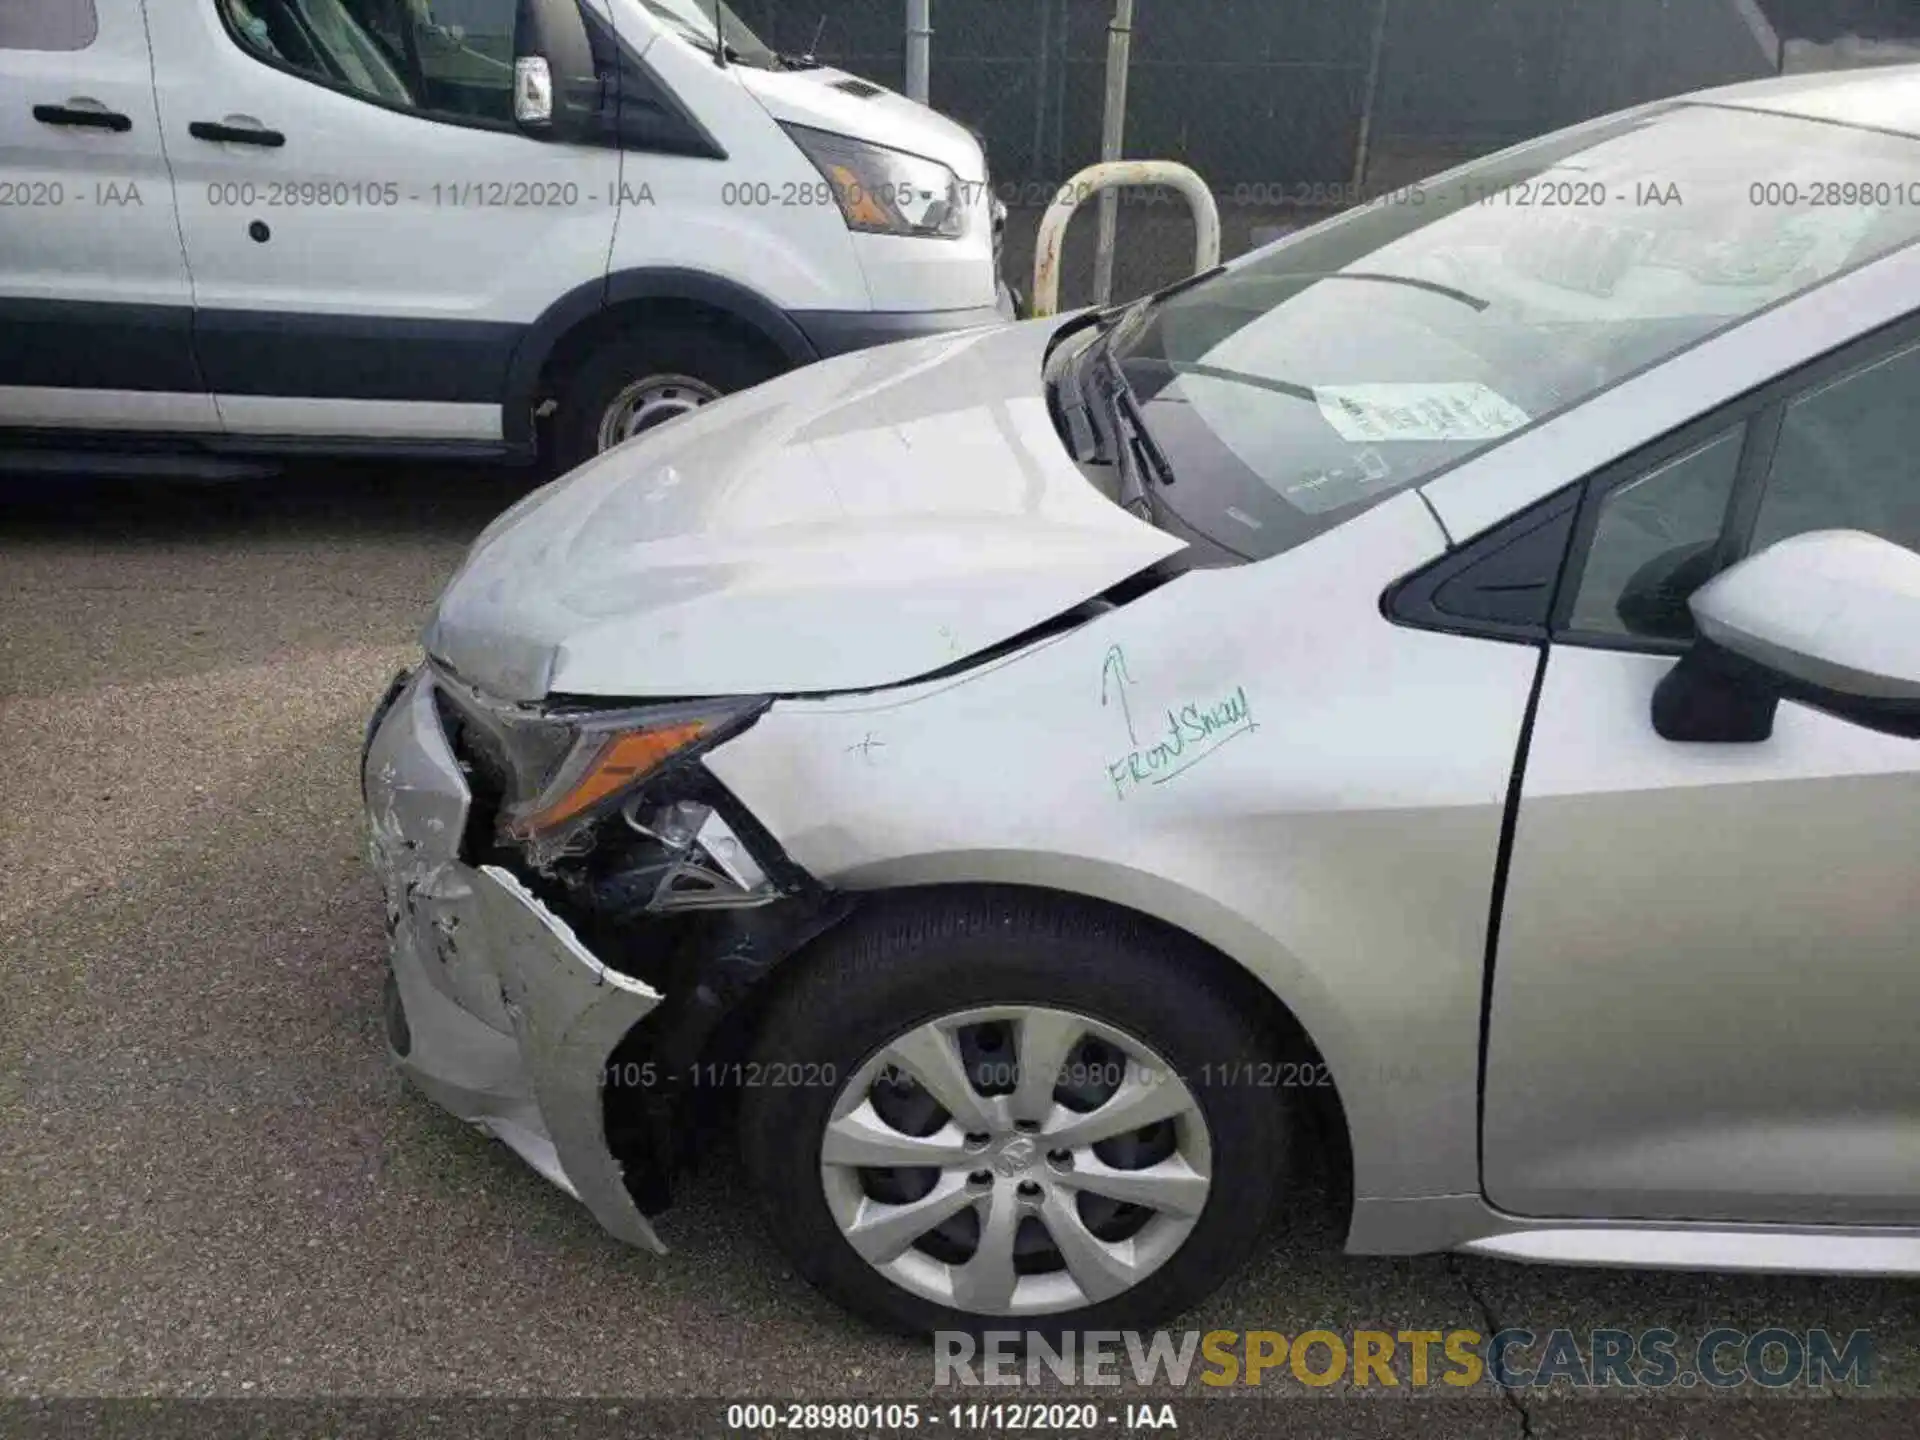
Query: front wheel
(1002, 1112)
(634, 383)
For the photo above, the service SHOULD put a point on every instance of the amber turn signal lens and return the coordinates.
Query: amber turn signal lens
(856, 202)
(622, 759)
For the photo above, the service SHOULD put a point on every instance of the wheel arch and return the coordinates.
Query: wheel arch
(573, 325)
(1278, 1016)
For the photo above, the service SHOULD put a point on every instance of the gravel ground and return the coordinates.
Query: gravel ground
(212, 1185)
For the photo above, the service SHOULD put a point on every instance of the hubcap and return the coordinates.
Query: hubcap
(650, 402)
(1016, 1160)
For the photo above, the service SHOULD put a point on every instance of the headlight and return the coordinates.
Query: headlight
(553, 771)
(886, 192)
(607, 756)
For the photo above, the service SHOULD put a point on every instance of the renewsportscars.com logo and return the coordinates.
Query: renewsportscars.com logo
(1417, 1359)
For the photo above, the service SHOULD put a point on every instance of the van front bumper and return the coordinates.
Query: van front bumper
(496, 1010)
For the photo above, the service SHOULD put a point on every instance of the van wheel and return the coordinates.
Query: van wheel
(634, 383)
(998, 1110)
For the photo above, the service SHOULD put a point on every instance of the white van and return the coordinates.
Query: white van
(463, 227)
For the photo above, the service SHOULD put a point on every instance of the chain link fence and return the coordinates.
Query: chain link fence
(1293, 108)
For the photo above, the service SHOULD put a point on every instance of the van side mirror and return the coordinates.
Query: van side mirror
(558, 90)
(1830, 619)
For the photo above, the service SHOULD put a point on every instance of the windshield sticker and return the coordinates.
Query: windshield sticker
(1442, 410)
(1192, 732)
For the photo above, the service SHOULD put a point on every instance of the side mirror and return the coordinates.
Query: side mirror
(1653, 602)
(558, 93)
(1830, 619)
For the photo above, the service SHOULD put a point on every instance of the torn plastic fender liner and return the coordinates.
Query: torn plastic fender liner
(569, 1012)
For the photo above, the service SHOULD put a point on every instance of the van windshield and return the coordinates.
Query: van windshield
(1318, 376)
(694, 20)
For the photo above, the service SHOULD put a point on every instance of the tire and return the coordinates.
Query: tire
(687, 365)
(923, 958)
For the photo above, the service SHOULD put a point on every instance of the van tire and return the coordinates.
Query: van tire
(675, 368)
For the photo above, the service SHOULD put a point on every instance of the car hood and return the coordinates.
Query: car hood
(850, 525)
(815, 98)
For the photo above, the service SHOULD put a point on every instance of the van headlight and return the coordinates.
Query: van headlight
(886, 192)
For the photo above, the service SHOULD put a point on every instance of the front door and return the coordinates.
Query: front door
(369, 232)
(1706, 994)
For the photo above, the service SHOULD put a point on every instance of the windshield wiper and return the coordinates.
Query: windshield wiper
(1067, 393)
(1136, 455)
(1101, 422)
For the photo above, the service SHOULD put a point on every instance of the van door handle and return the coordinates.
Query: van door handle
(236, 134)
(91, 119)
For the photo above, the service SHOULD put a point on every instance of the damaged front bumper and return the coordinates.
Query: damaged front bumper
(496, 1009)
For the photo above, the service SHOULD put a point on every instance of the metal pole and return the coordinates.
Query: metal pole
(1102, 179)
(919, 47)
(1365, 144)
(1112, 141)
(1037, 165)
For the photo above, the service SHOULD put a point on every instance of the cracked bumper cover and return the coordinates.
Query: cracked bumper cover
(507, 1019)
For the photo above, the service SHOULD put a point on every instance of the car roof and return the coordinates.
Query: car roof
(1880, 98)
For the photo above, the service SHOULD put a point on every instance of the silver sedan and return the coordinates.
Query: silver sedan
(1454, 672)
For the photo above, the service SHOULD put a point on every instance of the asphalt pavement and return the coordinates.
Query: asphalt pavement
(211, 1183)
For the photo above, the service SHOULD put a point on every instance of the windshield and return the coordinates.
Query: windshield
(693, 20)
(1319, 376)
